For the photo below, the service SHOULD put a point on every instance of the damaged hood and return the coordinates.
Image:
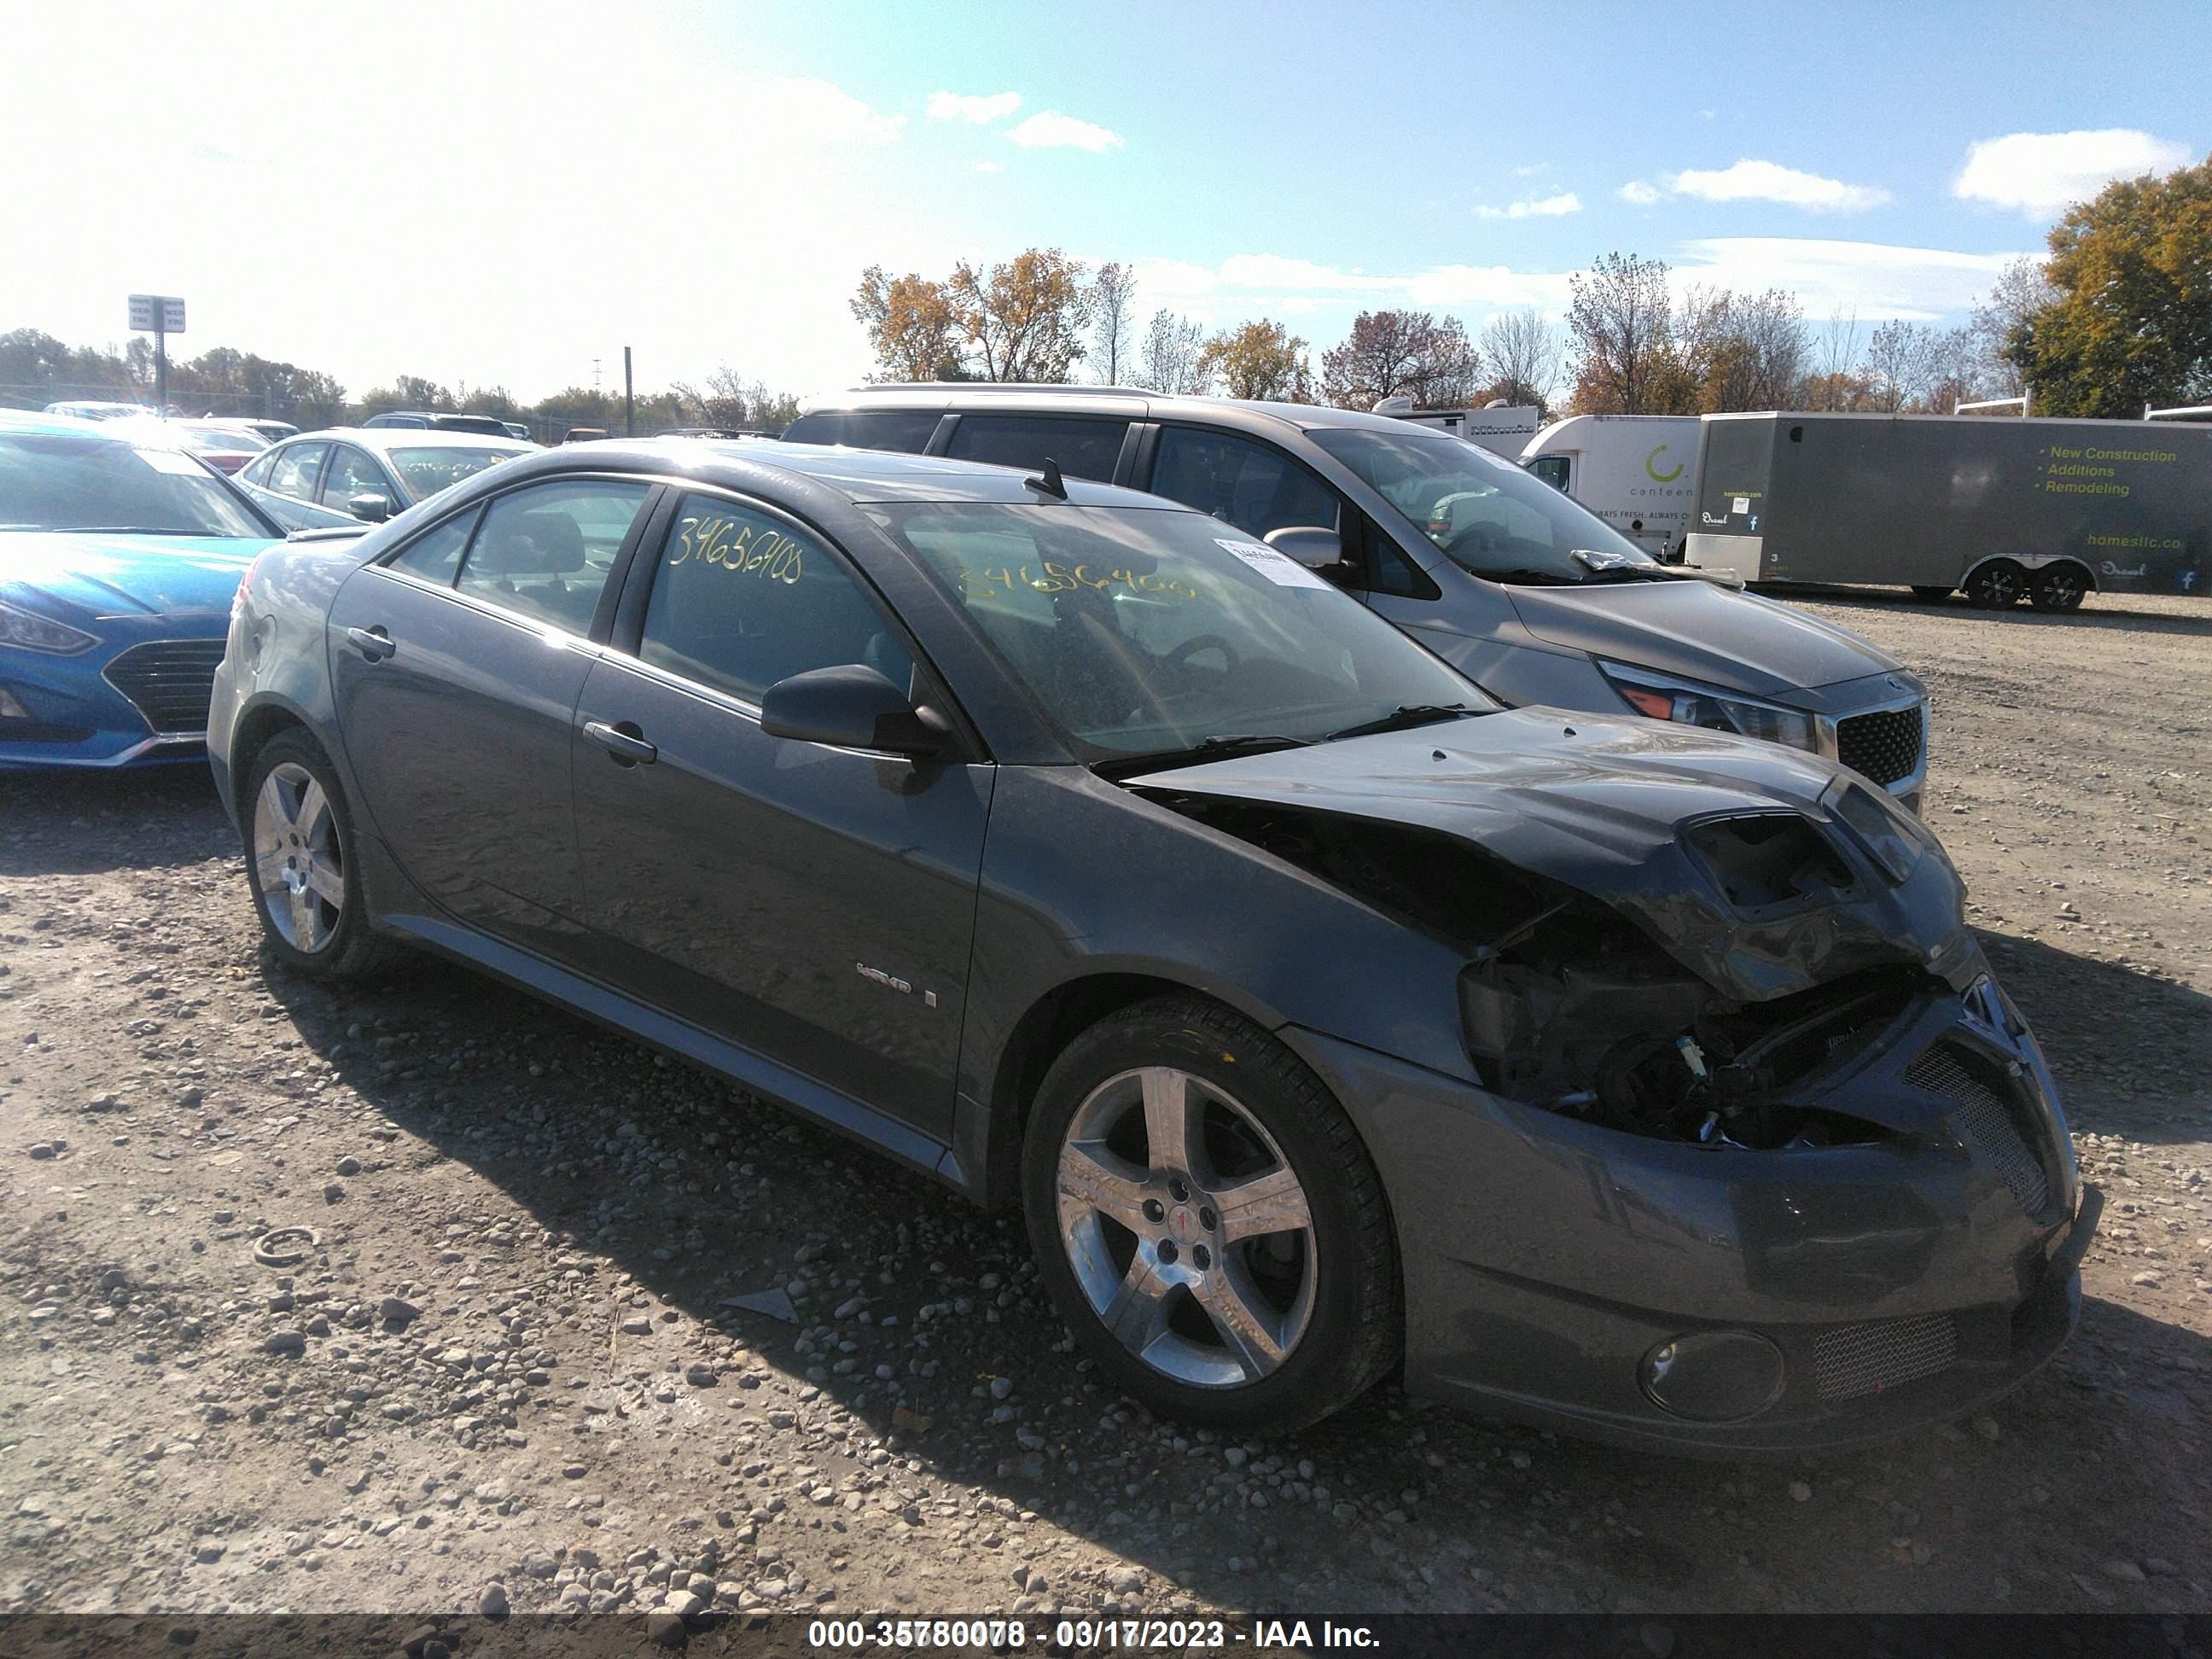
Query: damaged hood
(1602, 807)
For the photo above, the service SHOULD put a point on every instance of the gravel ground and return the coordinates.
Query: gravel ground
(579, 1327)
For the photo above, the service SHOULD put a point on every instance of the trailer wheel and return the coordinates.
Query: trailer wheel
(1930, 592)
(2058, 587)
(1998, 585)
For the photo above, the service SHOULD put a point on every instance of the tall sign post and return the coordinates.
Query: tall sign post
(160, 315)
(629, 399)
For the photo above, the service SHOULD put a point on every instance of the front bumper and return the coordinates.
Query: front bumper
(119, 703)
(1545, 1261)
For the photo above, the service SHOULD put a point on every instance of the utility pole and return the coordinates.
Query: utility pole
(595, 377)
(629, 399)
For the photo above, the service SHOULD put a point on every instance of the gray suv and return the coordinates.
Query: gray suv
(1500, 575)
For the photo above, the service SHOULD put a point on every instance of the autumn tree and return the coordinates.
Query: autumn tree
(1621, 317)
(1260, 360)
(1167, 362)
(911, 326)
(2131, 321)
(1742, 351)
(729, 399)
(1402, 354)
(1114, 323)
(1902, 360)
(1023, 321)
(1522, 352)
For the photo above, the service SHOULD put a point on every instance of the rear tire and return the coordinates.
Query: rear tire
(1208, 1222)
(2058, 587)
(1931, 593)
(1998, 585)
(301, 864)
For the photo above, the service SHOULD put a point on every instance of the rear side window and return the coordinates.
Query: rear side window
(256, 471)
(906, 430)
(545, 551)
(1088, 449)
(294, 473)
(741, 600)
(1244, 484)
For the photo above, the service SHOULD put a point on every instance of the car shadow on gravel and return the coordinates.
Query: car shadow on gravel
(1426, 1487)
(2107, 613)
(2112, 1035)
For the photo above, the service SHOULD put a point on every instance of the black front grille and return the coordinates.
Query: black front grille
(1986, 1124)
(1853, 1360)
(1886, 746)
(170, 682)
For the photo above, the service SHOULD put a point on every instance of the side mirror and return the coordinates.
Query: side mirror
(369, 509)
(851, 706)
(1314, 548)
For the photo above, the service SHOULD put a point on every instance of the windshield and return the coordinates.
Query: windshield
(63, 481)
(1150, 631)
(1491, 517)
(426, 471)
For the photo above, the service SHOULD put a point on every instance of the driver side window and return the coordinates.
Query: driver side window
(1256, 489)
(741, 600)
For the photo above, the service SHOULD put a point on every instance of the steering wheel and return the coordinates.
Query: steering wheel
(1197, 642)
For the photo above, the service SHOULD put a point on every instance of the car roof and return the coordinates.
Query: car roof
(1130, 401)
(24, 420)
(382, 438)
(857, 475)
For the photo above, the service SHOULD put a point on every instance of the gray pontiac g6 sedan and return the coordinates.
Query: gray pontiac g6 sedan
(1324, 1018)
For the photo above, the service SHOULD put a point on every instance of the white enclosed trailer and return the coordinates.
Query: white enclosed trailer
(1502, 430)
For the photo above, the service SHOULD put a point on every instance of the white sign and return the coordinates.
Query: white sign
(150, 312)
(1276, 568)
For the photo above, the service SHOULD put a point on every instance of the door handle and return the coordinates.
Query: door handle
(625, 744)
(373, 643)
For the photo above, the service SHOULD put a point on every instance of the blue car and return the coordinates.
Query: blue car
(119, 562)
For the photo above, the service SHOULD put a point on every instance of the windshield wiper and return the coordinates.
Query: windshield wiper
(1405, 715)
(1219, 747)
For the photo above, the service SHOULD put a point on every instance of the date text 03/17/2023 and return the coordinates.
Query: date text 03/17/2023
(1089, 1635)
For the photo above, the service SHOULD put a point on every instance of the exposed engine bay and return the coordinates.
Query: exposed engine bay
(1573, 1005)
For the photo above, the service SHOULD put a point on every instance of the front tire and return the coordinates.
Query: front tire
(1998, 585)
(300, 863)
(1208, 1222)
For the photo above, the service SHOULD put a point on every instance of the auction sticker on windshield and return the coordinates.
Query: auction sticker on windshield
(1283, 571)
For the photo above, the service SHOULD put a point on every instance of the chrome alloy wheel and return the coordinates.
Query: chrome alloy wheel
(297, 861)
(1186, 1227)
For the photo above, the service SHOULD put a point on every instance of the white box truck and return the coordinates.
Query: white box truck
(1637, 472)
(2051, 509)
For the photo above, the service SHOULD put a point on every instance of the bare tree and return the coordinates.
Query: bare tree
(1167, 360)
(1900, 364)
(1524, 353)
(1113, 322)
(2020, 290)
(1621, 316)
(1401, 352)
(1836, 383)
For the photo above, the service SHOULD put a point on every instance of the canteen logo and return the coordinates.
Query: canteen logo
(1651, 467)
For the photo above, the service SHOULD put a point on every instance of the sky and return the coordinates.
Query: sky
(487, 195)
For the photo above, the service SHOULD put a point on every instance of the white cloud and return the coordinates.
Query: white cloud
(1707, 114)
(1638, 193)
(1769, 182)
(828, 111)
(1050, 130)
(2043, 172)
(980, 109)
(1550, 207)
(987, 166)
(1874, 280)
(1487, 285)
(1272, 271)
(1531, 172)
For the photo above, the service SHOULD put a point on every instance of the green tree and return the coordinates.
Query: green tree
(2131, 323)
(1262, 360)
